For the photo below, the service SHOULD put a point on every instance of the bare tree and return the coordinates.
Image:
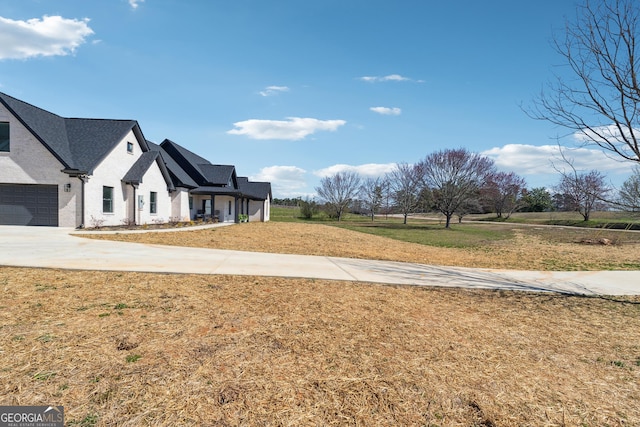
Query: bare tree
(371, 192)
(455, 176)
(629, 195)
(405, 188)
(600, 102)
(585, 190)
(504, 191)
(386, 195)
(339, 190)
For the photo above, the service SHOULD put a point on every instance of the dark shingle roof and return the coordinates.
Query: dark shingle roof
(254, 190)
(49, 128)
(198, 168)
(81, 144)
(186, 159)
(179, 177)
(217, 174)
(141, 166)
(78, 143)
(91, 140)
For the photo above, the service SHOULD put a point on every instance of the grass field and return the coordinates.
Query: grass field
(134, 349)
(597, 219)
(609, 219)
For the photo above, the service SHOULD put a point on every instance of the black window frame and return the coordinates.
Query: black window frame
(130, 147)
(5, 137)
(107, 199)
(153, 202)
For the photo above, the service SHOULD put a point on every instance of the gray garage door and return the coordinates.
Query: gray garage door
(28, 204)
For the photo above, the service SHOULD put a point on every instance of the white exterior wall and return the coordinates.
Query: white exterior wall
(259, 210)
(110, 173)
(180, 205)
(267, 210)
(29, 162)
(255, 210)
(222, 204)
(154, 181)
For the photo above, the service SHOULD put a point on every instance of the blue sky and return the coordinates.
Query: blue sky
(292, 90)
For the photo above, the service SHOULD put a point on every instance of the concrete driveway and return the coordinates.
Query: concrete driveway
(58, 248)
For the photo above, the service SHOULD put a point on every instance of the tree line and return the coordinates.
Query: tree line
(458, 182)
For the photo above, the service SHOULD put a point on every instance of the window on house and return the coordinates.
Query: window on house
(107, 199)
(229, 207)
(4, 137)
(190, 202)
(153, 202)
(129, 147)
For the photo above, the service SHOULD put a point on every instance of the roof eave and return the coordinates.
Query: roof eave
(75, 172)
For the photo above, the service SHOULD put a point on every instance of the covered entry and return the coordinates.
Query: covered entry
(28, 204)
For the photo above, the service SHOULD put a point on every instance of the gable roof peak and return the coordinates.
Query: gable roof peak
(67, 138)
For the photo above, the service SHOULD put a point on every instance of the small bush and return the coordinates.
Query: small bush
(308, 208)
(96, 222)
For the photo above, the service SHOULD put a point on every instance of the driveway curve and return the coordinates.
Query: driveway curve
(58, 248)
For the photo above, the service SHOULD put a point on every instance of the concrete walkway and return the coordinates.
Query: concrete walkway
(58, 248)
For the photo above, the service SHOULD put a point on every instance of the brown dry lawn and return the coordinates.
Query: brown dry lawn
(530, 249)
(133, 349)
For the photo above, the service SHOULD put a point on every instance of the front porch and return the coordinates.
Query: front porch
(220, 206)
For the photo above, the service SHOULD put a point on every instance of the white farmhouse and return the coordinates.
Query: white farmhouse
(73, 172)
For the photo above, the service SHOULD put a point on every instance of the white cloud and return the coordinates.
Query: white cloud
(530, 159)
(607, 135)
(49, 36)
(273, 90)
(386, 111)
(293, 129)
(610, 132)
(286, 181)
(135, 3)
(369, 170)
(389, 78)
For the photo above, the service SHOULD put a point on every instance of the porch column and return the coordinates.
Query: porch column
(133, 202)
(213, 206)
